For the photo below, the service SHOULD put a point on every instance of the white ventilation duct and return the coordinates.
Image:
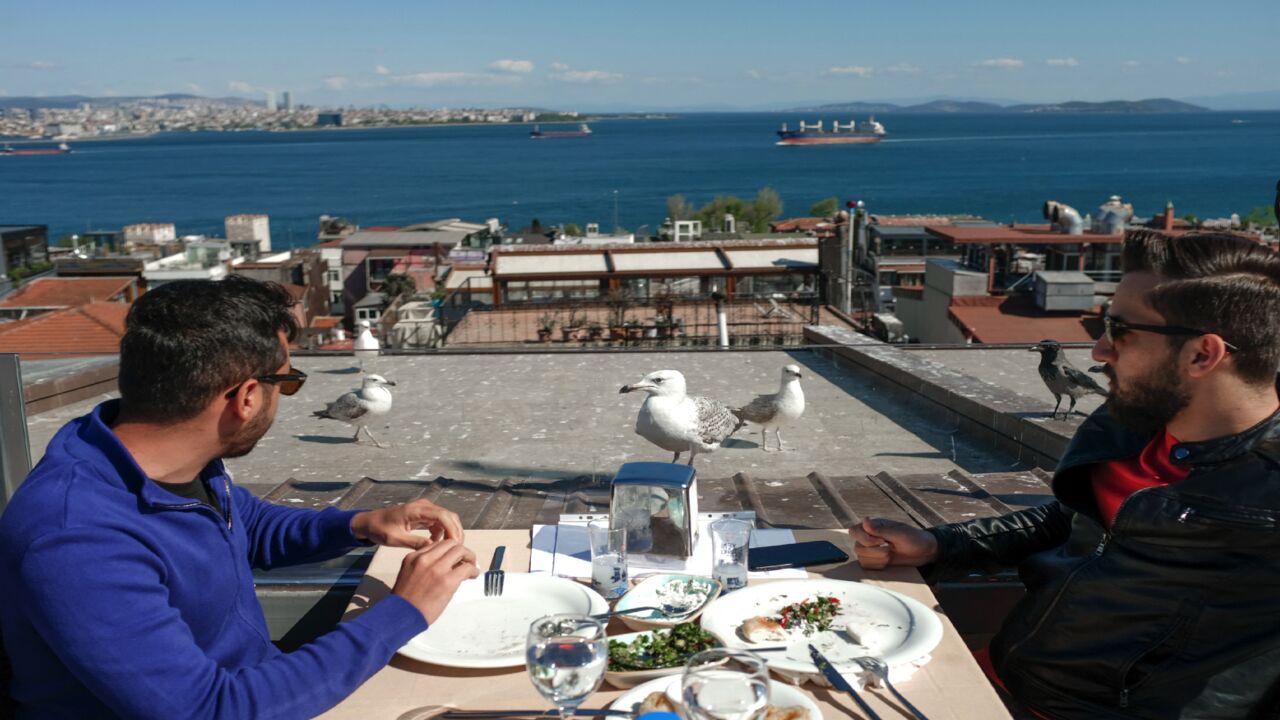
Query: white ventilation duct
(1065, 217)
(1113, 216)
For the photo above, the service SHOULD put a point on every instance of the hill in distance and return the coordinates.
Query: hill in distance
(1154, 105)
(74, 101)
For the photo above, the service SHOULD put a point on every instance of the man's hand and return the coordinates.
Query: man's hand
(395, 526)
(429, 577)
(879, 543)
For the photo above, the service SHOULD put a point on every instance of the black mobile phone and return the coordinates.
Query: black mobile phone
(814, 552)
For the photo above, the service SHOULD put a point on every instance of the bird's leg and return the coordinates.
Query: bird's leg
(1073, 406)
(371, 437)
(764, 438)
(1056, 405)
(356, 437)
(692, 453)
(778, 431)
(676, 459)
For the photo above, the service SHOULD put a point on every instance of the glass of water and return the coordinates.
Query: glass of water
(566, 656)
(608, 558)
(724, 684)
(730, 539)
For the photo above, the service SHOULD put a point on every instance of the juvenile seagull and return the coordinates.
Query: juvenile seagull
(678, 423)
(359, 407)
(1063, 378)
(776, 410)
(366, 346)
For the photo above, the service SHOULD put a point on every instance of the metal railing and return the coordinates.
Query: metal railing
(15, 451)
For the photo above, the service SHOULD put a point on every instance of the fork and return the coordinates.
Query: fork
(494, 577)
(628, 611)
(880, 671)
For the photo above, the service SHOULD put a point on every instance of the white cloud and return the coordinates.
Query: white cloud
(1003, 62)
(336, 82)
(240, 86)
(1182, 60)
(1062, 62)
(588, 76)
(754, 74)
(512, 66)
(559, 67)
(859, 70)
(381, 70)
(434, 79)
(903, 68)
(193, 87)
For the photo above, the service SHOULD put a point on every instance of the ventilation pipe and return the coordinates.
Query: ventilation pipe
(1113, 216)
(1065, 217)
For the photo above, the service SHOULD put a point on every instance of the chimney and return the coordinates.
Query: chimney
(1167, 224)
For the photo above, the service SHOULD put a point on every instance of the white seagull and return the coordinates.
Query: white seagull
(678, 423)
(777, 409)
(359, 407)
(366, 346)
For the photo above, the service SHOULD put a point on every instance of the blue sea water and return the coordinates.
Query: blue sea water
(998, 166)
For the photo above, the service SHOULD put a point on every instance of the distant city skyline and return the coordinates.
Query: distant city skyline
(663, 55)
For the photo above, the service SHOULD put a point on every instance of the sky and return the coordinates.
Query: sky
(570, 54)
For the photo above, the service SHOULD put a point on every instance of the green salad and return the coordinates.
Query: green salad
(660, 648)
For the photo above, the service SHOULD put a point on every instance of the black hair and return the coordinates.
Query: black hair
(1220, 283)
(189, 340)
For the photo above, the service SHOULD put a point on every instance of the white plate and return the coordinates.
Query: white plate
(890, 626)
(475, 631)
(780, 694)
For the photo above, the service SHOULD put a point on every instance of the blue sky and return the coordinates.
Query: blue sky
(633, 55)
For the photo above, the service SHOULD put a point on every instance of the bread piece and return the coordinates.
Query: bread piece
(786, 713)
(656, 702)
(763, 629)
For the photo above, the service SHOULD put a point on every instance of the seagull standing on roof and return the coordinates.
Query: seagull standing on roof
(366, 346)
(678, 423)
(777, 409)
(359, 407)
(1063, 378)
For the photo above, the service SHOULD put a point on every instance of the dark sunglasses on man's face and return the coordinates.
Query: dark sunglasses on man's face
(1113, 328)
(290, 382)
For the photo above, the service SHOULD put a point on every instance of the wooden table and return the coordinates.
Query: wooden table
(950, 686)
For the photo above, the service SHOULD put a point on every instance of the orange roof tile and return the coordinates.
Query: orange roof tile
(1018, 235)
(89, 329)
(324, 322)
(1017, 320)
(66, 292)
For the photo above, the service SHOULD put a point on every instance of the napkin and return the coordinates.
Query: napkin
(856, 676)
(563, 550)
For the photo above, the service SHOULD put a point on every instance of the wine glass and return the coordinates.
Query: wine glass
(566, 656)
(724, 684)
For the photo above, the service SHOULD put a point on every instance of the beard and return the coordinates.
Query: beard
(248, 436)
(1149, 402)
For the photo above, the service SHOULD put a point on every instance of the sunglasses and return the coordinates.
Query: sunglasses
(1113, 328)
(290, 383)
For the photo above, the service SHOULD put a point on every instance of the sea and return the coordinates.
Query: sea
(1001, 167)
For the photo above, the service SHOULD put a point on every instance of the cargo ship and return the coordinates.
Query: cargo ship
(538, 133)
(62, 149)
(840, 134)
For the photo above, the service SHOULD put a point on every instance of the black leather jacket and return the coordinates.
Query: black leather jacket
(1173, 613)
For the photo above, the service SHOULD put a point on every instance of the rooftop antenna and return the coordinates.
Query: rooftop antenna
(615, 212)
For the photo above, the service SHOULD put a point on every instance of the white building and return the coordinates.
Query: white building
(150, 233)
(203, 259)
(271, 101)
(250, 235)
(288, 101)
(331, 251)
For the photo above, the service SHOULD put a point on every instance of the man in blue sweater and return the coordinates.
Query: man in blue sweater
(126, 555)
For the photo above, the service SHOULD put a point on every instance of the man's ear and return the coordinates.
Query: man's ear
(1207, 353)
(245, 402)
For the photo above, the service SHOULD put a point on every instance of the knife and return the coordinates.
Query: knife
(837, 681)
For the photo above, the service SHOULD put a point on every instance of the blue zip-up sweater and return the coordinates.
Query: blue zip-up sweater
(119, 598)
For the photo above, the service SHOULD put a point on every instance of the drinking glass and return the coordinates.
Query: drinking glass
(608, 558)
(729, 541)
(724, 684)
(566, 656)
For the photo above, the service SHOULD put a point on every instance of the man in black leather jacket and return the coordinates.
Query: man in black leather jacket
(1153, 578)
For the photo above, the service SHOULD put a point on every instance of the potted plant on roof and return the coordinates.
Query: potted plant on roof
(618, 302)
(575, 328)
(547, 323)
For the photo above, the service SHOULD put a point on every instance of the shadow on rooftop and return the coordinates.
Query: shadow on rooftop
(340, 371)
(935, 426)
(325, 439)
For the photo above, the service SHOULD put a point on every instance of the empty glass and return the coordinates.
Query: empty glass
(608, 558)
(566, 656)
(724, 684)
(729, 541)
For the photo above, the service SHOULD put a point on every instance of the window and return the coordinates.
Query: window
(335, 277)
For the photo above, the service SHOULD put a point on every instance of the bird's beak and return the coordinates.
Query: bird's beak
(1098, 369)
(799, 375)
(391, 382)
(626, 389)
(1034, 348)
(632, 388)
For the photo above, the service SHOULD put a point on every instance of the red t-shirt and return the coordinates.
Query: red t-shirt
(1118, 479)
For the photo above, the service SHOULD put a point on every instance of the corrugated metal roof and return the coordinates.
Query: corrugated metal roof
(1025, 235)
(779, 258)
(365, 238)
(666, 260)
(1018, 320)
(550, 264)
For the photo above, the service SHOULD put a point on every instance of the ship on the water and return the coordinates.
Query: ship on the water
(62, 149)
(538, 133)
(841, 134)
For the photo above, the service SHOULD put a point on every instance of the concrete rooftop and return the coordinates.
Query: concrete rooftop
(1015, 369)
(560, 416)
